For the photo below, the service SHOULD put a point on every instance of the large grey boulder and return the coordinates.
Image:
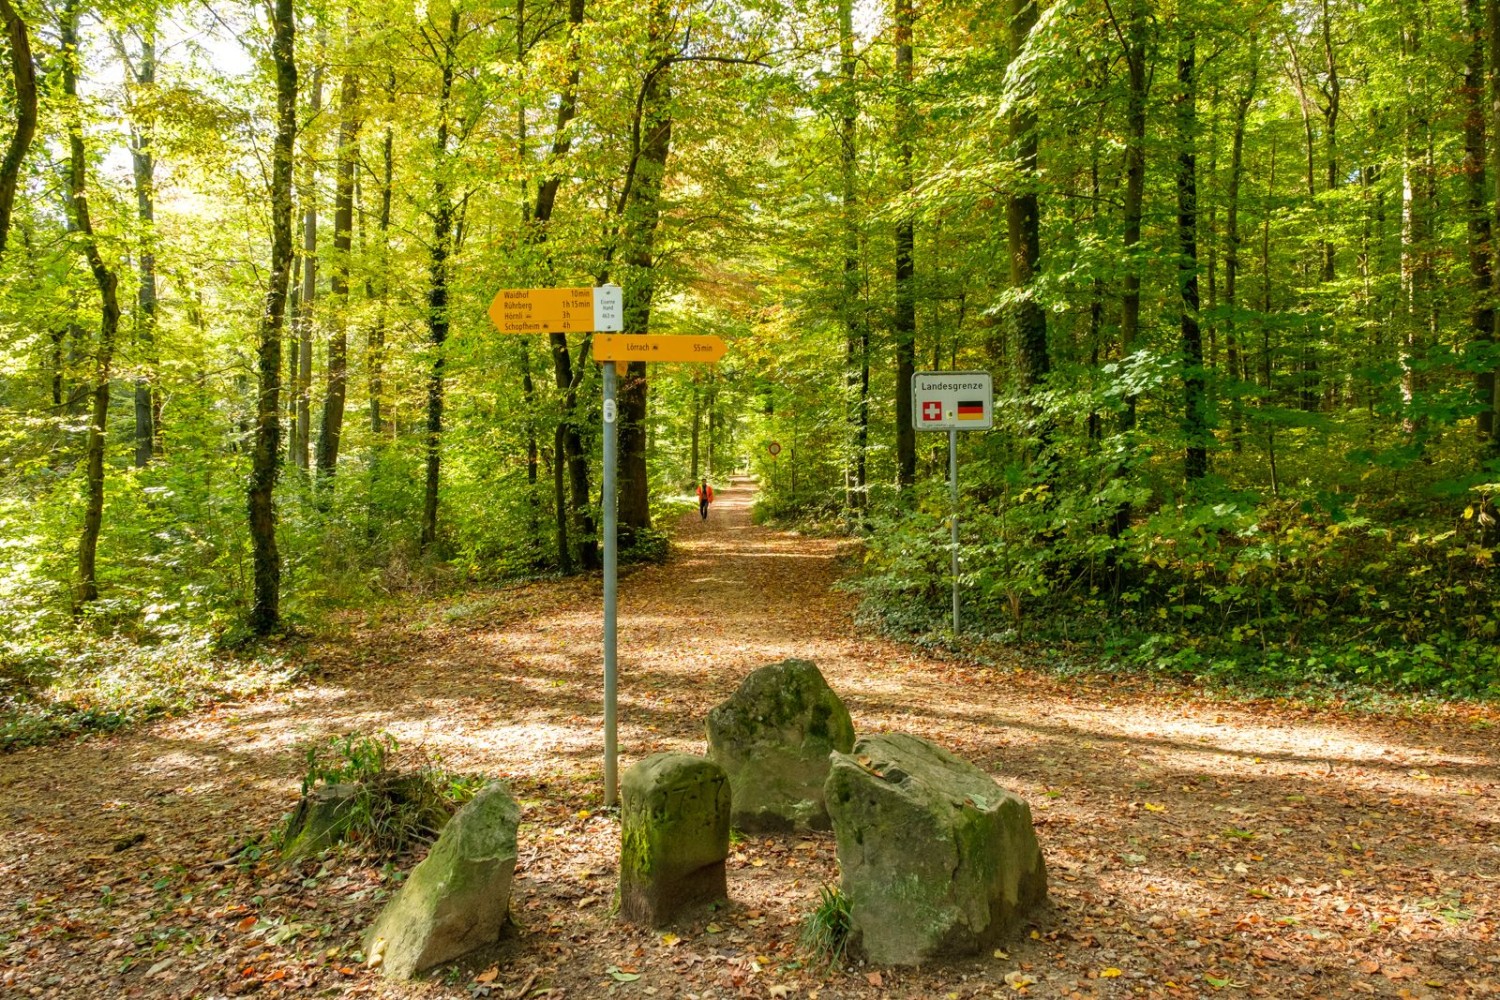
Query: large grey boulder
(674, 836)
(937, 859)
(457, 899)
(773, 737)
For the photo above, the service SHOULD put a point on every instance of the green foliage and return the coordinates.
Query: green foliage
(57, 683)
(1328, 590)
(825, 931)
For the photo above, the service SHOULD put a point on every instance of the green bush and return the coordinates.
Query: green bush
(394, 809)
(1273, 592)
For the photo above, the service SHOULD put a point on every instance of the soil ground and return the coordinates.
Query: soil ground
(1194, 847)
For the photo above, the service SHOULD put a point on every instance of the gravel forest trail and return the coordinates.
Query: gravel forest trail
(1195, 846)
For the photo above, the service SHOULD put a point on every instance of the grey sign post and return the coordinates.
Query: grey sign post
(611, 590)
(953, 402)
(597, 310)
(611, 352)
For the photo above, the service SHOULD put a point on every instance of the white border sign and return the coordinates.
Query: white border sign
(952, 401)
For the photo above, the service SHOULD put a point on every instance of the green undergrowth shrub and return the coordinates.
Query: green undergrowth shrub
(79, 682)
(1274, 593)
(401, 800)
(825, 931)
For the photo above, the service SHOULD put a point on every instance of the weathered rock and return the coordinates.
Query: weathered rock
(457, 899)
(773, 737)
(320, 821)
(674, 836)
(937, 858)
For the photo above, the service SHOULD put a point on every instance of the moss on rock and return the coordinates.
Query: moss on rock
(674, 836)
(937, 859)
(457, 898)
(773, 737)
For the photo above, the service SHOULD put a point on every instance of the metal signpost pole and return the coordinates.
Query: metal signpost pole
(952, 401)
(953, 495)
(611, 430)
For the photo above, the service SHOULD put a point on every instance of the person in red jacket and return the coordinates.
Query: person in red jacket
(705, 497)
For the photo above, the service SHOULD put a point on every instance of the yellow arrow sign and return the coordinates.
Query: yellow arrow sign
(657, 347)
(557, 310)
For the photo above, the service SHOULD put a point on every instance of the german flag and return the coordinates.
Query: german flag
(971, 409)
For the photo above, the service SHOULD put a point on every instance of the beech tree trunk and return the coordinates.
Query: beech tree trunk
(1234, 361)
(302, 434)
(1023, 221)
(905, 326)
(1134, 41)
(856, 326)
(109, 313)
(437, 289)
(142, 73)
(1482, 312)
(1418, 179)
(1487, 383)
(1195, 404)
(23, 74)
(569, 437)
(375, 344)
(338, 285)
(265, 613)
(642, 211)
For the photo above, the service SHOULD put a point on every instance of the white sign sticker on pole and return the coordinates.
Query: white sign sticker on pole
(959, 401)
(609, 308)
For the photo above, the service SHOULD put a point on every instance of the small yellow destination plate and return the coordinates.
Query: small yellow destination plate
(657, 347)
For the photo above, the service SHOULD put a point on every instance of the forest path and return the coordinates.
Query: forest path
(1189, 844)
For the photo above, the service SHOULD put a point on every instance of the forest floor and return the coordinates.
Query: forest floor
(1194, 847)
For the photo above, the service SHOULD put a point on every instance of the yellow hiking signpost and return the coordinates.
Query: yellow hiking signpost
(657, 347)
(558, 310)
(601, 310)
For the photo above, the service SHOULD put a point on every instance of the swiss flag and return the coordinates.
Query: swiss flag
(932, 410)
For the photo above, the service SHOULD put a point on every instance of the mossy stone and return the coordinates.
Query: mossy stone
(937, 859)
(321, 820)
(773, 737)
(457, 898)
(674, 837)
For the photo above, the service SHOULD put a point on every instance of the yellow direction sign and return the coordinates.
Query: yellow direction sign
(657, 347)
(558, 310)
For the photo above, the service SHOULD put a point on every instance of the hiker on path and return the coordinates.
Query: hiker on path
(705, 497)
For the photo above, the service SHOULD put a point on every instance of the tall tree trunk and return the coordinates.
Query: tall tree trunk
(109, 314)
(1487, 383)
(569, 436)
(697, 425)
(302, 435)
(1195, 403)
(375, 346)
(338, 284)
(1307, 393)
(1134, 38)
(906, 292)
(856, 327)
(528, 382)
(1332, 92)
(1023, 222)
(1417, 189)
(265, 614)
(1482, 313)
(437, 289)
(142, 73)
(23, 74)
(1266, 359)
(1232, 244)
(642, 213)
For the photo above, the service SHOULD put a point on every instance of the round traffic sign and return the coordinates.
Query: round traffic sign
(774, 448)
